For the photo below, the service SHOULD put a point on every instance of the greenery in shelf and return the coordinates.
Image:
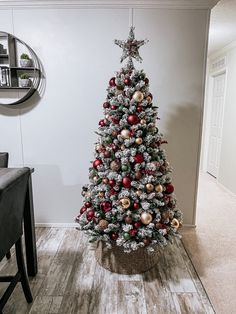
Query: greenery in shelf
(25, 56)
(24, 76)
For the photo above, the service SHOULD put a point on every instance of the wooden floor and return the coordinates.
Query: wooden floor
(70, 281)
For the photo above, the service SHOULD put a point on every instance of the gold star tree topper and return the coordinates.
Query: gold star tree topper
(130, 46)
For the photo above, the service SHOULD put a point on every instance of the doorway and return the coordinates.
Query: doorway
(217, 100)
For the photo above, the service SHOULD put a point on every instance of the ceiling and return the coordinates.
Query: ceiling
(222, 25)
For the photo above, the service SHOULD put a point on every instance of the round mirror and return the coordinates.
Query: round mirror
(20, 70)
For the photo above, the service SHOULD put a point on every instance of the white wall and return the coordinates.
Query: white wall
(227, 165)
(55, 134)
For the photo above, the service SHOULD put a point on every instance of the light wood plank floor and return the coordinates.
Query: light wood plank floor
(70, 281)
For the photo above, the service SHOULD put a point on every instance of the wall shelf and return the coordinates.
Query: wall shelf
(17, 87)
(11, 69)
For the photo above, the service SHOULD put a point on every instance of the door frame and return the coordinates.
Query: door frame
(208, 110)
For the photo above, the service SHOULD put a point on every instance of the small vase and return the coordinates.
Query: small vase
(25, 82)
(25, 63)
(117, 261)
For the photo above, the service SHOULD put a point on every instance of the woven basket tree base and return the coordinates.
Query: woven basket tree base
(117, 261)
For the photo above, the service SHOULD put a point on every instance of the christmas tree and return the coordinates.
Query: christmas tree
(130, 201)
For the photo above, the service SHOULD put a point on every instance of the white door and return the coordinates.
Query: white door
(216, 124)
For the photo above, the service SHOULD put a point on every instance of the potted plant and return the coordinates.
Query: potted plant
(25, 60)
(25, 80)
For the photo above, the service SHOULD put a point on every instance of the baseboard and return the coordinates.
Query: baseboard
(74, 225)
(189, 226)
(57, 225)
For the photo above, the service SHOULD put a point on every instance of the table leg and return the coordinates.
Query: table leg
(29, 229)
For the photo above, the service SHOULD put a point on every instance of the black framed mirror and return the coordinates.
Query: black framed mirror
(20, 70)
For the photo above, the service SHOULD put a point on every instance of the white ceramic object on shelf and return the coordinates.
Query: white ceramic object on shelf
(25, 82)
(25, 63)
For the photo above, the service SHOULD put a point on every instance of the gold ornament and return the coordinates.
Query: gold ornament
(99, 147)
(125, 133)
(125, 202)
(175, 223)
(95, 179)
(142, 121)
(101, 194)
(159, 188)
(119, 92)
(139, 193)
(146, 218)
(138, 96)
(122, 147)
(103, 224)
(105, 181)
(115, 165)
(139, 140)
(107, 116)
(149, 187)
(149, 99)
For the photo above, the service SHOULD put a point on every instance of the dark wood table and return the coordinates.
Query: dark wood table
(29, 231)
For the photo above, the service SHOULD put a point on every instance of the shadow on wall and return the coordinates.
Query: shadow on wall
(56, 198)
(182, 133)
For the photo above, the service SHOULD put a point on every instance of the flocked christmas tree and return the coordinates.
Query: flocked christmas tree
(130, 201)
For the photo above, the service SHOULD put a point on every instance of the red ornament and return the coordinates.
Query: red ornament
(137, 224)
(127, 81)
(112, 82)
(112, 182)
(132, 133)
(113, 146)
(146, 241)
(160, 225)
(169, 188)
(138, 175)
(113, 107)
(133, 119)
(132, 232)
(112, 192)
(82, 210)
(97, 163)
(136, 205)
(139, 109)
(102, 123)
(126, 182)
(88, 204)
(146, 81)
(107, 154)
(106, 206)
(106, 105)
(138, 159)
(128, 220)
(115, 120)
(114, 236)
(166, 199)
(90, 214)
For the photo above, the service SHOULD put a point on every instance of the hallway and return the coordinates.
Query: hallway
(211, 246)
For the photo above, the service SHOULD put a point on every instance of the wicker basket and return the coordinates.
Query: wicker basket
(117, 261)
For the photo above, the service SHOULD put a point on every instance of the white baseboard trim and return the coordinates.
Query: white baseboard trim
(189, 226)
(74, 225)
(57, 225)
